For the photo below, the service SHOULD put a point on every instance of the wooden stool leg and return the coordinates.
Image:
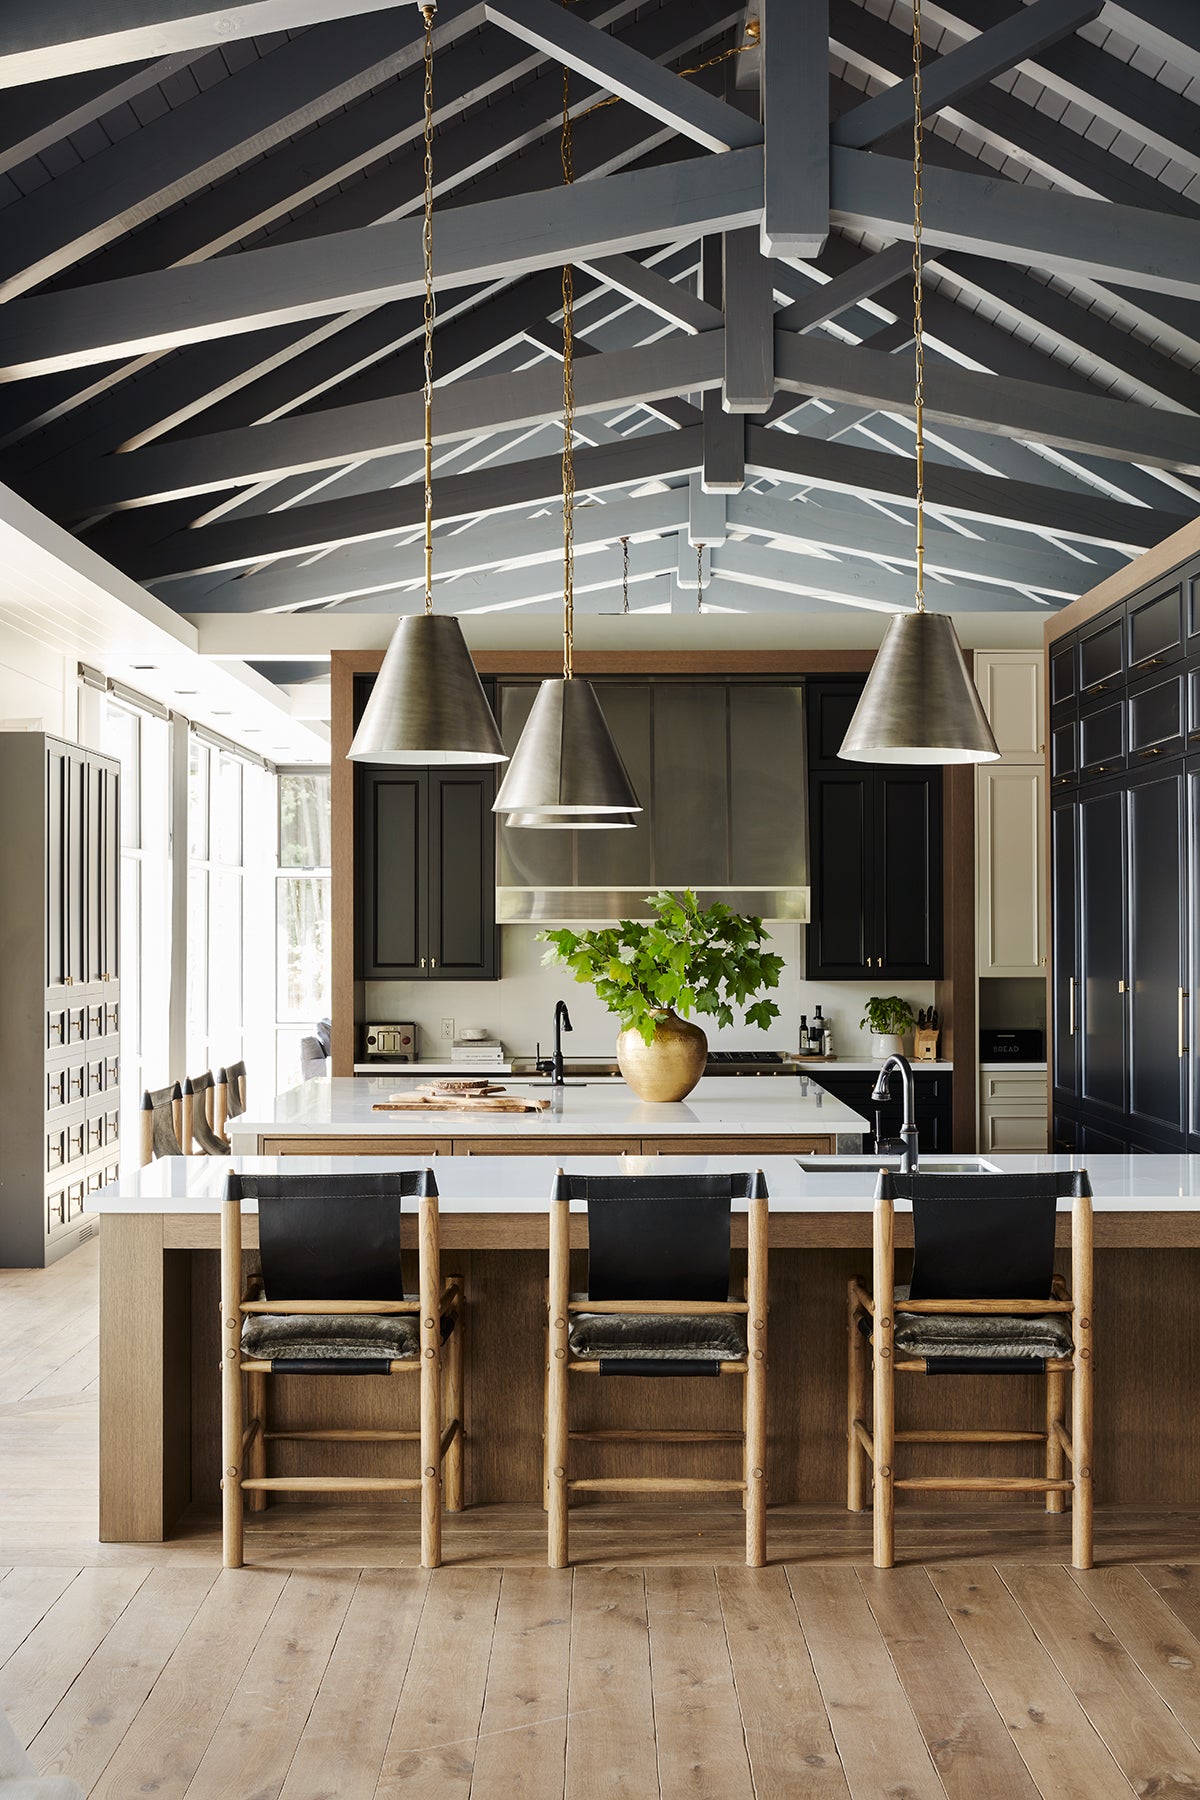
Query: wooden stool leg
(745, 1445)
(557, 1440)
(454, 1408)
(256, 1396)
(756, 1385)
(856, 1407)
(1081, 1385)
(231, 1385)
(883, 1426)
(1056, 1404)
(546, 1403)
(430, 1379)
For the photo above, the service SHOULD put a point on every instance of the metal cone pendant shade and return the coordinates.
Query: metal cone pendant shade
(566, 761)
(919, 704)
(428, 704)
(570, 821)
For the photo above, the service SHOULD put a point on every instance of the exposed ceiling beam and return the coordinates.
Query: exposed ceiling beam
(994, 217)
(960, 72)
(749, 385)
(532, 584)
(463, 409)
(723, 469)
(861, 281)
(669, 299)
(39, 42)
(244, 543)
(276, 285)
(1169, 29)
(758, 567)
(795, 107)
(960, 491)
(36, 118)
(622, 70)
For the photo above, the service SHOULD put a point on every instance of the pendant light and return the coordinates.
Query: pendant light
(428, 705)
(920, 704)
(566, 768)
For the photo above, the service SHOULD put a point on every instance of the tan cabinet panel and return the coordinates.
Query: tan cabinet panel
(1012, 1125)
(1014, 1084)
(1010, 686)
(1011, 862)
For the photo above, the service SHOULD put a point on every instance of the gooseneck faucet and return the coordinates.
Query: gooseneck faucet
(562, 1022)
(908, 1128)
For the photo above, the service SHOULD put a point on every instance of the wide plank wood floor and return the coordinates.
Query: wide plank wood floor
(658, 1668)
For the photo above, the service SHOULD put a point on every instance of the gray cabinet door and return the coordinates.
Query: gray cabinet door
(392, 912)
(461, 882)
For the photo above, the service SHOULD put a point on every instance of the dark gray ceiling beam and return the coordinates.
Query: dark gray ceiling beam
(475, 407)
(624, 71)
(257, 107)
(36, 118)
(955, 490)
(996, 404)
(596, 571)
(302, 529)
(39, 42)
(855, 579)
(1166, 28)
(861, 280)
(260, 288)
(953, 76)
(794, 58)
(669, 299)
(723, 466)
(749, 383)
(994, 217)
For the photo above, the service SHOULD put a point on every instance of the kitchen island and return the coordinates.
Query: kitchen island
(159, 1335)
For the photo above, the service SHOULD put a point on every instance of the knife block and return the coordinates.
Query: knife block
(925, 1045)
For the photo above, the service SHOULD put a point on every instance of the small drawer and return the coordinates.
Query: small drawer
(76, 1136)
(1155, 630)
(1102, 656)
(95, 1022)
(1156, 715)
(112, 1128)
(95, 1134)
(95, 1182)
(1102, 739)
(1013, 1084)
(97, 1071)
(56, 1150)
(1064, 753)
(112, 1173)
(112, 1072)
(56, 1030)
(76, 1024)
(75, 1083)
(75, 1199)
(1192, 607)
(56, 1209)
(112, 1018)
(56, 1088)
(1064, 685)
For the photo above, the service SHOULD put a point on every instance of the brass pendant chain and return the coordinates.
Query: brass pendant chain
(624, 574)
(568, 450)
(699, 577)
(918, 315)
(427, 247)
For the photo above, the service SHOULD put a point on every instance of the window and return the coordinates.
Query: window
(302, 916)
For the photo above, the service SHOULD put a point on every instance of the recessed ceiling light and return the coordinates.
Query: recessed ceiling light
(183, 693)
(224, 713)
(150, 666)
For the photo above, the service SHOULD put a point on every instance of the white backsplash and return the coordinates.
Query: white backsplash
(519, 1008)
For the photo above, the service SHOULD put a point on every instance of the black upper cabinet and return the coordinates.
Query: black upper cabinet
(1157, 952)
(427, 896)
(875, 856)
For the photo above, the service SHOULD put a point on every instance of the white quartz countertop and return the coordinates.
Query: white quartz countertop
(521, 1184)
(719, 1106)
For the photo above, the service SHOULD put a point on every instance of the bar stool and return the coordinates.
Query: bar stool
(657, 1304)
(231, 1096)
(983, 1299)
(162, 1122)
(199, 1112)
(330, 1299)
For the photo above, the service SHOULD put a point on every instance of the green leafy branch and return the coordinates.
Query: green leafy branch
(688, 959)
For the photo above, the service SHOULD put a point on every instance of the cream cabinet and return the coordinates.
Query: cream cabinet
(1012, 1110)
(1010, 868)
(1011, 687)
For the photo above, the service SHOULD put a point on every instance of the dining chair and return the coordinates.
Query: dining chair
(329, 1298)
(162, 1122)
(199, 1115)
(657, 1305)
(230, 1096)
(983, 1299)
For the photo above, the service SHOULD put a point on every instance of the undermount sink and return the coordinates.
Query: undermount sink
(871, 1165)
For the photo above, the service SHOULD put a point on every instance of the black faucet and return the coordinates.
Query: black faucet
(908, 1129)
(554, 1065)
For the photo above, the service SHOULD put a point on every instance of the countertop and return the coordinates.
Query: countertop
(521, 1184)
(724, 1106)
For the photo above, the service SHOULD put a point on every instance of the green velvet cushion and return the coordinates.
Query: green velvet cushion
(683, 1337)
(930, 1335)
(314, 1337)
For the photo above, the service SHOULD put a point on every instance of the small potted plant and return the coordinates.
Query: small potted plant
(889, 1018)
(654, 973)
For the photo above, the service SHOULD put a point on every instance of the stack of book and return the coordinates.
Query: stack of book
(481, 1052)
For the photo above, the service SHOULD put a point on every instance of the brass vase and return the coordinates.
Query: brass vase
(669, 1067)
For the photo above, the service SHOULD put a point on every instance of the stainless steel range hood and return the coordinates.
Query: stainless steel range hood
(720, 769)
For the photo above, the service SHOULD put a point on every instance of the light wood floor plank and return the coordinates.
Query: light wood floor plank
(86, 1728)
(523, 1731)
(165, 1744)
(252, 1747)
(26, 1596)
(610, 1700)
(1144, 1738)
(1161, 1646)
(38, 1674)
(1053, 1734)
(1178, 1583)
(431, 1751)
(701, 1754)
(342, 1746)
(972, 1752)
(878, 1740)
(788, 1738)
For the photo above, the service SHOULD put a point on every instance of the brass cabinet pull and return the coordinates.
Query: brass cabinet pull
(1145, 753)
(1121, 988)
(422, 962)
(1183, 994)
(433, 962)
(1071, 1006)
(1149, 662)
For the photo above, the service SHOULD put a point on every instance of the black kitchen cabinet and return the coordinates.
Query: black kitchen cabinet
(1157, 928)
(932, 1104)
(1103, 880)
(875, 856)
(427, 897)
(1064, 908)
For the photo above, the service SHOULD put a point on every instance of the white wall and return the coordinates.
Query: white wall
(519, 1008)
(37, 686)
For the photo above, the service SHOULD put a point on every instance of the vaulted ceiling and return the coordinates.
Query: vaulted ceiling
(210, 273)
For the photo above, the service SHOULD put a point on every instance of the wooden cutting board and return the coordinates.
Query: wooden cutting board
(496, 1103)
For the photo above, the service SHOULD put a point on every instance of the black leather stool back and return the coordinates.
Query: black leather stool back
(658, 1237)
(983, 1237)
(332, 1237)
